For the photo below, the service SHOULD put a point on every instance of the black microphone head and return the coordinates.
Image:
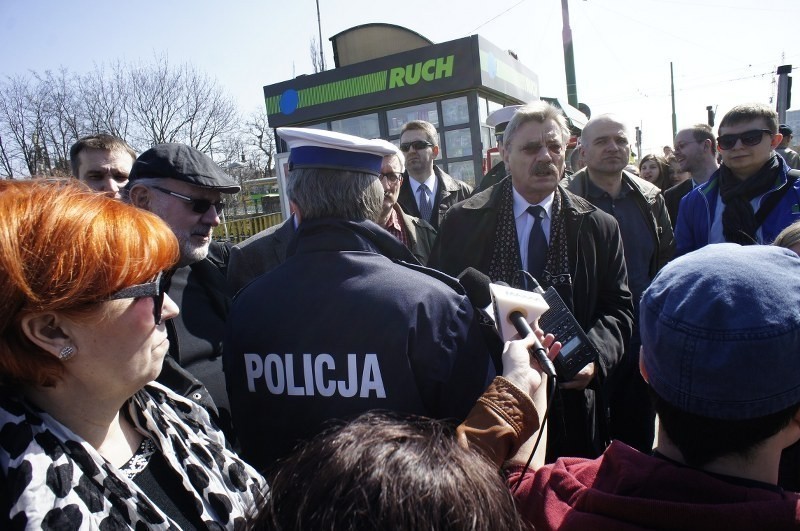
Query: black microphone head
(476, 284)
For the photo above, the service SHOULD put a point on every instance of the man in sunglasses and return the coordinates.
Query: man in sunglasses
(184, 187)
(430, 191)
(754, 194)
(416, 234)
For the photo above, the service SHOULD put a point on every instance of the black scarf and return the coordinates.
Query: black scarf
(506, 261)
(739, 223)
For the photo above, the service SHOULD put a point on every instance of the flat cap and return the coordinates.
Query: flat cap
(183, 163)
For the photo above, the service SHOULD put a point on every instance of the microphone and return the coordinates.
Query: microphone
(476, 285)
(518, 309)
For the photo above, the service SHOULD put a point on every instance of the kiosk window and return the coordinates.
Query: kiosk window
(455, 111)
(397, 118)
(458, 143)
(366, 126)
(464, 171)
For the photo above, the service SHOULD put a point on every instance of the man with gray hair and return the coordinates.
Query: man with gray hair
(184, 187)
(348, 322)
(529, 222)
(415, 233)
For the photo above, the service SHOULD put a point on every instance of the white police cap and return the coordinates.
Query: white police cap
(317, 148)
(499, 119)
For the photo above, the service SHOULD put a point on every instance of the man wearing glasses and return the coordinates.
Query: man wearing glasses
(696, 152)
(430, 191)
(754, 194)
(416, 234)
(184, 187)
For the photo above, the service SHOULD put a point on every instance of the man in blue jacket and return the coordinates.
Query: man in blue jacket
(753, 195)
(350, 321)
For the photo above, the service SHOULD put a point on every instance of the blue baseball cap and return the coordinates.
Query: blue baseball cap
(720, 331)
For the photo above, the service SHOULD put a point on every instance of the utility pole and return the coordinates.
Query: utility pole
(321, 56)
(638, 143)
(672, 91)
(784, 91)
(569, 56)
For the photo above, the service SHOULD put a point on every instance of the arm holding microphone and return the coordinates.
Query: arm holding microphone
(506, 415)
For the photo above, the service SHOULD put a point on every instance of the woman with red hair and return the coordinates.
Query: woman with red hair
(87, 439)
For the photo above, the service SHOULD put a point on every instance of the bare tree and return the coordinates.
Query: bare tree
(316, 59)
(105, 95)
(262, 139)
(42, 115)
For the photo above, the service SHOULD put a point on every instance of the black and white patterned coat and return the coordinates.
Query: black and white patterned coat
(53, 479)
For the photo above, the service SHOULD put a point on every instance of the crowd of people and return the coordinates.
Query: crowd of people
(333, 373)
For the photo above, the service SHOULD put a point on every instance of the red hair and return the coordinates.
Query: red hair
(64, 249)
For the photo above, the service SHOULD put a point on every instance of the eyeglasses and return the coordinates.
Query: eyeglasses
(200, 206)
(154, 289)
(749, 138)
(418, 145)
(391, 177)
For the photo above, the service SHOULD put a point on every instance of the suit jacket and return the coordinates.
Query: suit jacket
(258, 254)
(420, 233)
(673, 196)
(600, 299)
(449, 192)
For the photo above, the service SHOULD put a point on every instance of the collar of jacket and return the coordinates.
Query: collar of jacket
(489, 198)
(331, 234)
(578, 183)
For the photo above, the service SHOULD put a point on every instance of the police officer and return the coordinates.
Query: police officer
(349, 322)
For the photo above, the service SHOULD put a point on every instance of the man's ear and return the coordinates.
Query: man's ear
(140, 196)
(294, 209)
(435, 150)
(776, 140)
(642, 368)
(46, 331)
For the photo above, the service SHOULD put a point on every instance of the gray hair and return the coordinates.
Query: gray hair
(537, 111)
(324, 193)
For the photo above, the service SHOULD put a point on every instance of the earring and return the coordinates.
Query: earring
(66, 353)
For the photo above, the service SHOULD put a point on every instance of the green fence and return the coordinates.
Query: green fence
(236, 230)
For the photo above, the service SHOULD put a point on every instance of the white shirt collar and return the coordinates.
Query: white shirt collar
(521, 205)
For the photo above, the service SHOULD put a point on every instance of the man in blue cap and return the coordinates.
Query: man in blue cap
(720, 337)
(349, 322)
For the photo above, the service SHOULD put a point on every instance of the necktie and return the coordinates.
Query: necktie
(537, 243)
(424, 203)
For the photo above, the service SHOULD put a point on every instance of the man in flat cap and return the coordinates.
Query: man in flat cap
(184, 187)
(349, 322)
(789, 155)
(720, 334)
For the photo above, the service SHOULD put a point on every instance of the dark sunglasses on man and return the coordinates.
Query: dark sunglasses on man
(418, 145)
(748, 138)
(154, 289)
(200, 206)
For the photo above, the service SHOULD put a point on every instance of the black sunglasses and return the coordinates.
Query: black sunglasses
(154, 289)
(390, 177)
(749, 138)
(418, 145)
(200, 206)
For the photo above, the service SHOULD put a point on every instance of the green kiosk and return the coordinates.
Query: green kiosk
(387, 75)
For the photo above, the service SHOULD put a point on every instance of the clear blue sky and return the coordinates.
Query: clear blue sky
(724, 51)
